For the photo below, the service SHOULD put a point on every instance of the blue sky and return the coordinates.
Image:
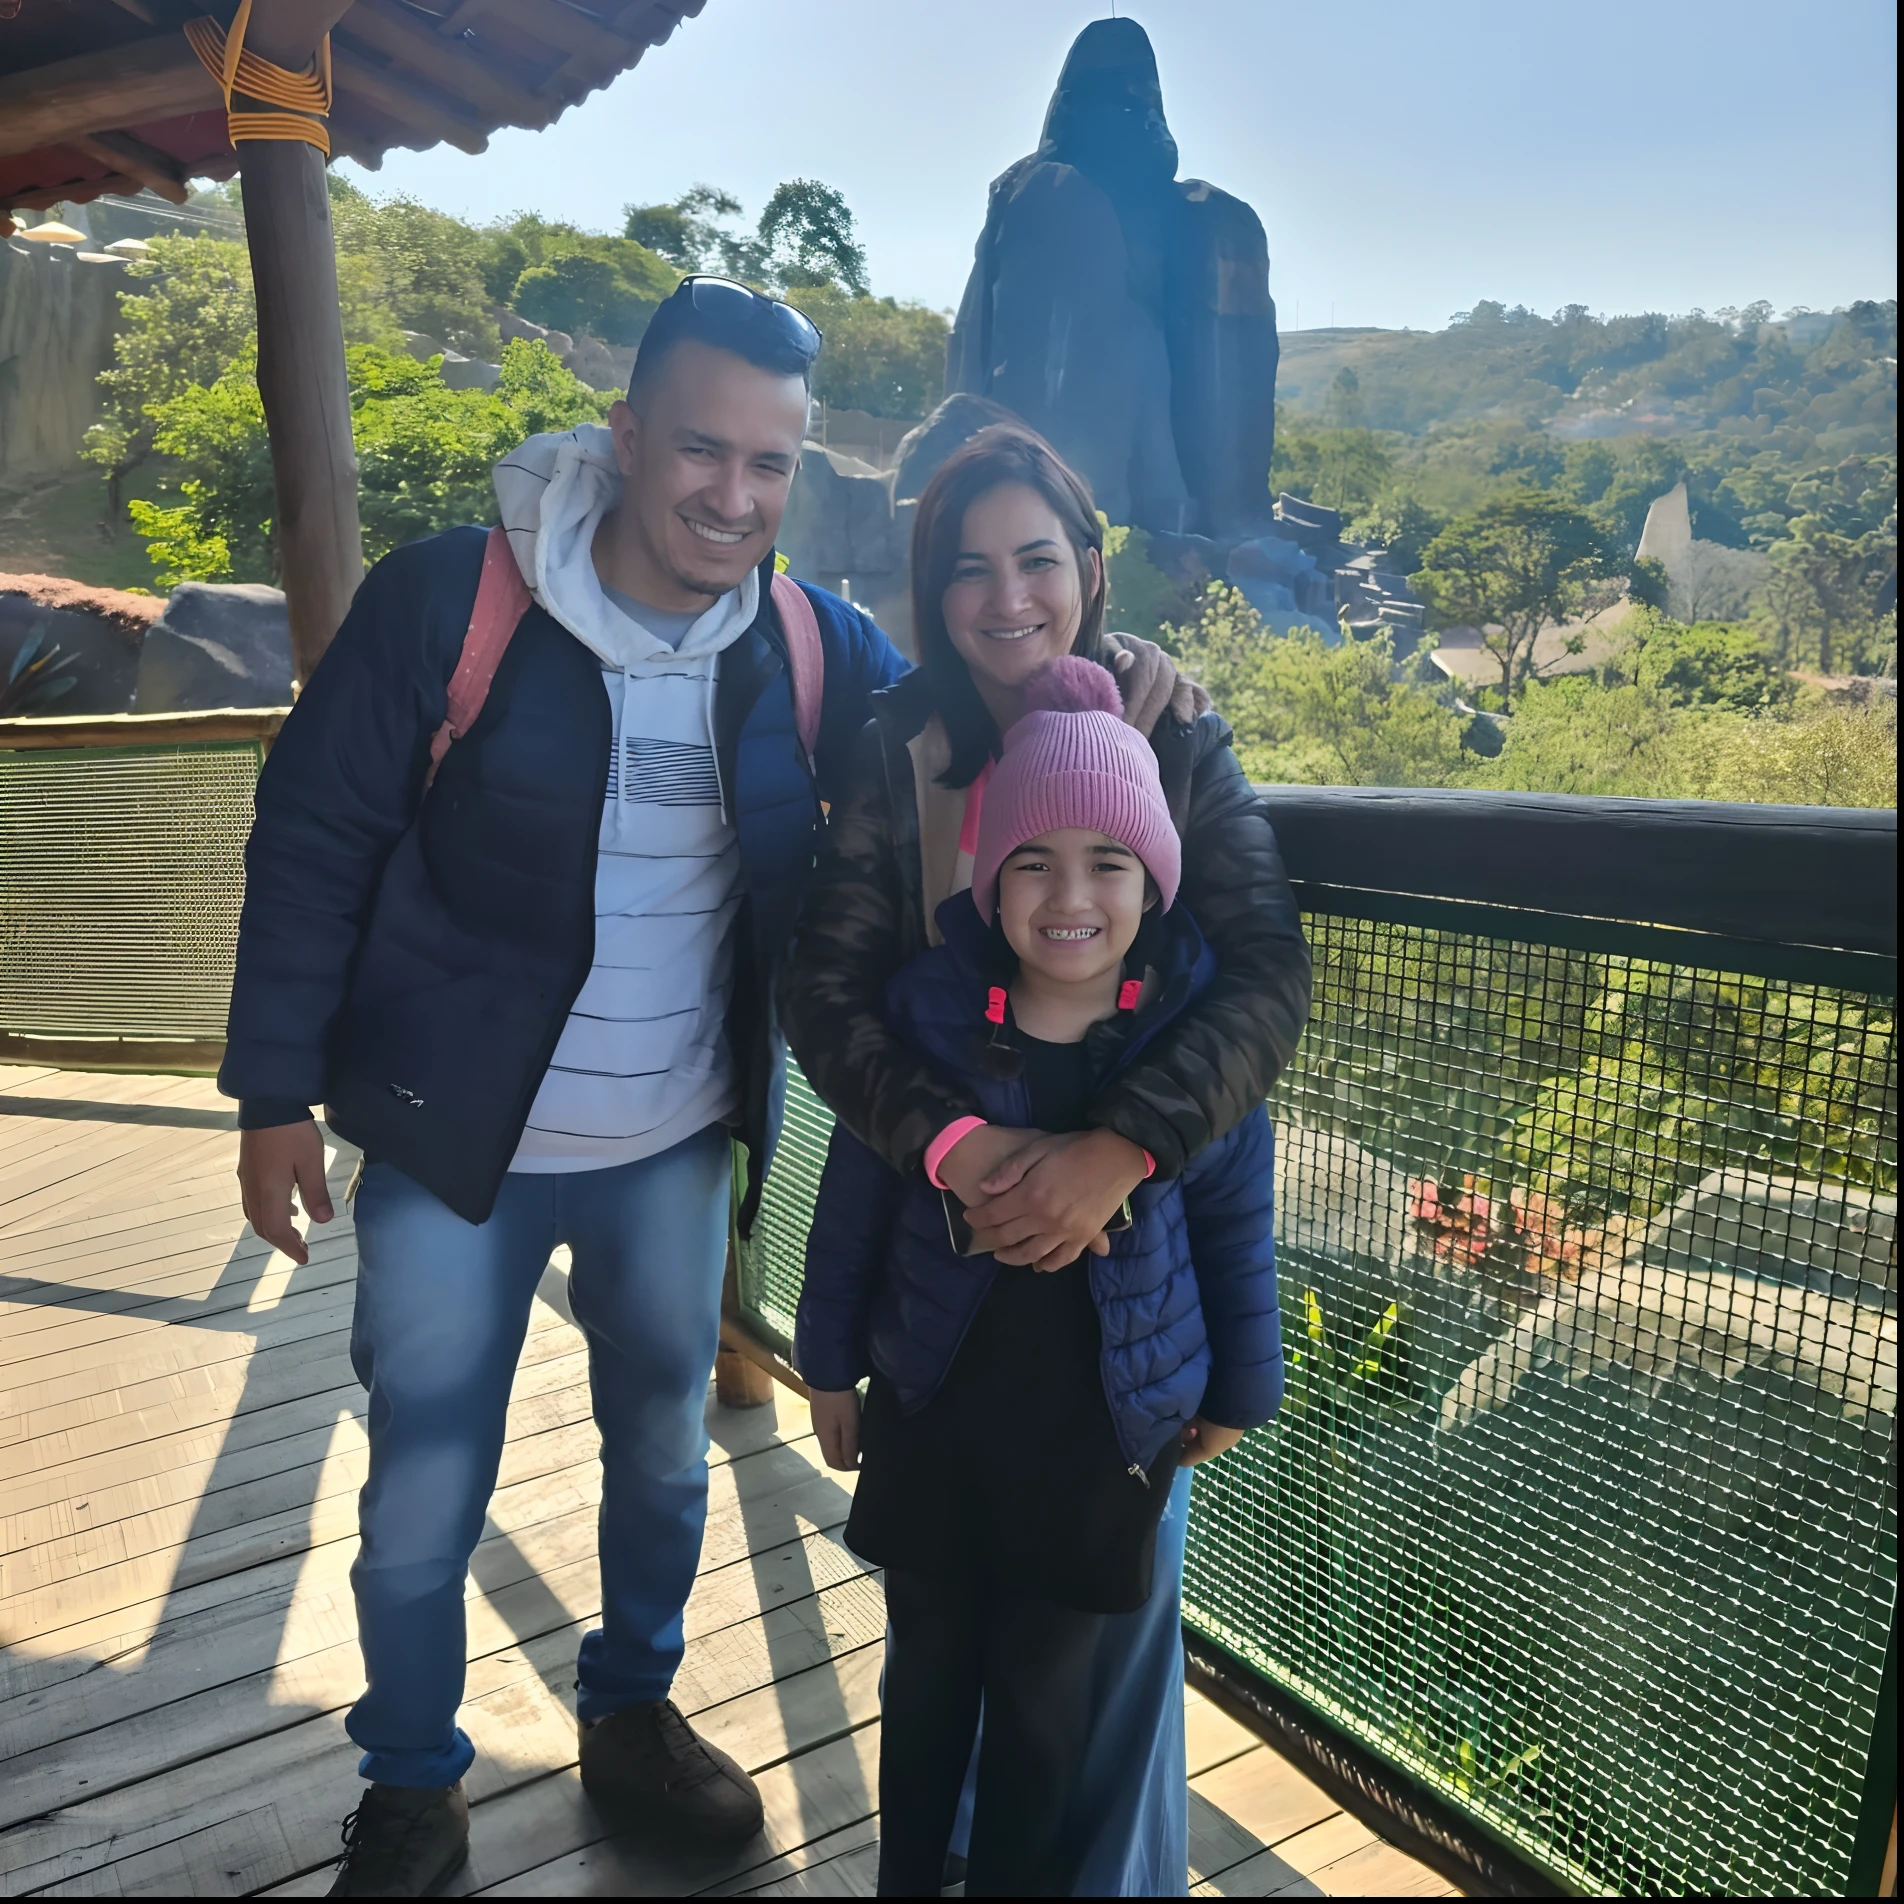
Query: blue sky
(1407, 160)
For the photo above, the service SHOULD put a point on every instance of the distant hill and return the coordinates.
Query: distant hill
(1810, 382)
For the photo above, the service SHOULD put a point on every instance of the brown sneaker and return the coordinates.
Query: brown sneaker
(403, 1841)
(648, 1763)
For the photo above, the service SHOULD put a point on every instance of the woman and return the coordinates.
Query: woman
(1007, 574)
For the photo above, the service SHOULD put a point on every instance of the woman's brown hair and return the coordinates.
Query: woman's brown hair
(999, 454)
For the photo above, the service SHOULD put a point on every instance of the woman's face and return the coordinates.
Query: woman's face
(1013, 602)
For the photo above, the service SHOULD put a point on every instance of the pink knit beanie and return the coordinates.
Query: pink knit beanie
(1073, 761)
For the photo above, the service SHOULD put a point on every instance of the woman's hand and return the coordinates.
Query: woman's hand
(1203, 1440)
(978, 1154)
(1049, 1201)
(836, 1423)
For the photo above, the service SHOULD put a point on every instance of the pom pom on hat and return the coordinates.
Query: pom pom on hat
(1072, 685)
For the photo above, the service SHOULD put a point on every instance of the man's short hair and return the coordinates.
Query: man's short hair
(762, 331)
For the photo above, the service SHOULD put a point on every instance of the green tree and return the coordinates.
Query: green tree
(880, 356)
(685, 233)
(1513, 567)
(1345, 469)
(220, 528)
(189, 318)
(424, 451)
(807, 234)
(421, 269)
(1306, 711)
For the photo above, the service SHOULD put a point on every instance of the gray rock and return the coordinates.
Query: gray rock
(217, 645)
(469, 373)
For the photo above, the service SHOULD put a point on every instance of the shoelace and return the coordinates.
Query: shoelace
(347, 1833)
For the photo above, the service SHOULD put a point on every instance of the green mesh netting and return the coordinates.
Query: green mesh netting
(121, 873)
(1582, 1505)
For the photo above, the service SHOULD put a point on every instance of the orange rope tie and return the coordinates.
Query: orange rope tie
(225, 57)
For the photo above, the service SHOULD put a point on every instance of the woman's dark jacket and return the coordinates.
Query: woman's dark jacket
(1186, 1299)
(410, 961)
(864, 918)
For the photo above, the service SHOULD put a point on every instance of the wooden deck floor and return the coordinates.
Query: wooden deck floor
(181, 1443)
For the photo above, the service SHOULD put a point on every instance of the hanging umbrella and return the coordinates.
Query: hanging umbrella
(52, 233)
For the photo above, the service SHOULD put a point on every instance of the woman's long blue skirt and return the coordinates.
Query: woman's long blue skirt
(1132, 1816)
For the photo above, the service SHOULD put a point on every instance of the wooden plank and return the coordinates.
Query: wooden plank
(853, 1873)
(1217, 1842)
(176, 1726)
(820, 1851)
(1211, 1736)
(517, 1712)
(1265, 1795)
(1262, 1875)
(545, 1579)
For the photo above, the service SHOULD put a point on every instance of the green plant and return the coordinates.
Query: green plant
(35, 680)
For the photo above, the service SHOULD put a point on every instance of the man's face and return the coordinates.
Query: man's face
(706, 464)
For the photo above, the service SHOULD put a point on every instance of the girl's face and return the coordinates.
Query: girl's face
(1070, 903)
(1014, 601)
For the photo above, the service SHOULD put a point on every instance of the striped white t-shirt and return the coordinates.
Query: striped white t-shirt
(643, 1061)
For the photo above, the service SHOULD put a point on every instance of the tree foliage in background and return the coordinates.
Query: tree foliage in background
(807, 237)
(1319, 714)
(189, 316)
(1680, 712)
(880, 356)
(424, 454)
(1513, 567)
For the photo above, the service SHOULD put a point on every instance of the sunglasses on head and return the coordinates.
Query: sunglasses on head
(724, 302)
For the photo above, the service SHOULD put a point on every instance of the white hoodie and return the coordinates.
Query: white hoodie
(642, 1062)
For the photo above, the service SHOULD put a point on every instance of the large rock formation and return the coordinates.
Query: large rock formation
(848, 525)
(1125, 313)
(58, 312)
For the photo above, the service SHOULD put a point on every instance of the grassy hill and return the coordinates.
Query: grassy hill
(1809, 384)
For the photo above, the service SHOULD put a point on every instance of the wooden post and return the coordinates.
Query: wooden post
(738, 1381)
(301, 375)
(305, 391)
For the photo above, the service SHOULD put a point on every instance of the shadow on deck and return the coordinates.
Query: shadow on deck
(181, 1443)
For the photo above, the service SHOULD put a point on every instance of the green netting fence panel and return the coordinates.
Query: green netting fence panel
(121, 874)
(1582, 1508)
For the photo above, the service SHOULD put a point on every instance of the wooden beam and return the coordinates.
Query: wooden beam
(306, 393)
(45, 197)
(399, 35)
(156, 170)
(156, 78)
(405, 100)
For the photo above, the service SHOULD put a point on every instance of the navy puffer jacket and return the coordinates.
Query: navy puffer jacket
(1186, 1298)
(410, 962)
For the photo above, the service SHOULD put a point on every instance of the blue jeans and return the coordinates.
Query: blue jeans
(442, 1309)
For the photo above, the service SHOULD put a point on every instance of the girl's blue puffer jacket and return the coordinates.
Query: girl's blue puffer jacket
(1186, 1298)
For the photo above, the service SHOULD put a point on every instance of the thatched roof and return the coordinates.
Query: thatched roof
(106, 96)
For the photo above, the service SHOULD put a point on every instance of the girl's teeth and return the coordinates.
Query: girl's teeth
(1013, 634)
(1070, 933)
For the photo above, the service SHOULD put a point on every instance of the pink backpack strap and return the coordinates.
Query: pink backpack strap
(502, 599)
(806, 659)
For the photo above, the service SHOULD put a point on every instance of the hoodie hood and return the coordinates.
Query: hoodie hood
(552, 491)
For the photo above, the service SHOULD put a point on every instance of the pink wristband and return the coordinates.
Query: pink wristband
(940, 1145)
(1150, 1164)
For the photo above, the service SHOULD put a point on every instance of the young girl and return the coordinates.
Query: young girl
(1022, 1428)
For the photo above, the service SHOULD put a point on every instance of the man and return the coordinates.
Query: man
(541, 1012)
